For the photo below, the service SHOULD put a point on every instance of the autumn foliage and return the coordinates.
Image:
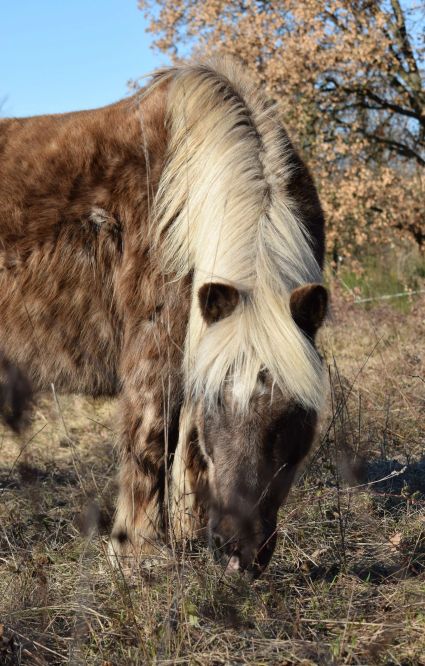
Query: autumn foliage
(348, 76)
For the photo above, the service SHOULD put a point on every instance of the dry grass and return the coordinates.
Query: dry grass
(347, 583)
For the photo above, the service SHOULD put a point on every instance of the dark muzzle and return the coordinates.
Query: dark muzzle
(241, 544)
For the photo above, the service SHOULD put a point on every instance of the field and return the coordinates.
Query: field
(347, 582)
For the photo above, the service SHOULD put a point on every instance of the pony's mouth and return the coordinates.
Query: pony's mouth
(248, 560)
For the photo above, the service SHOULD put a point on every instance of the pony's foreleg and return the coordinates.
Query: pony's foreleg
(139, 521)
(189, 482)
(15, 395)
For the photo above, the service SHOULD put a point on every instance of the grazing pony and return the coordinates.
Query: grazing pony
(168, 249)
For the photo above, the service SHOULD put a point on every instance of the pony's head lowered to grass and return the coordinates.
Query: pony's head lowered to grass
(253, 449)
(237, 209)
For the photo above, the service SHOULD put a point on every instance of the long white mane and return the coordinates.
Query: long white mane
(224, 211)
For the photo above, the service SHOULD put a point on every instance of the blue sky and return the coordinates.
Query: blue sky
(64, 55)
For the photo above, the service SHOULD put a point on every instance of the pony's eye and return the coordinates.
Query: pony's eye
(219, 401)
(262, 376)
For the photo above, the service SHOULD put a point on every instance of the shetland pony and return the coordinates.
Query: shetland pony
(168, 249)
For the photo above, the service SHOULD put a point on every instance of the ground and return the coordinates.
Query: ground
(347, 582)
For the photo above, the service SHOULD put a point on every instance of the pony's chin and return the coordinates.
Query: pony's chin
(250, 562)
(233, 566)
(252, 572)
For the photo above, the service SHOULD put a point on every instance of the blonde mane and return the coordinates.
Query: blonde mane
(224, 212)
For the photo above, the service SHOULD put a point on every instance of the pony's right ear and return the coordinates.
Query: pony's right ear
(309, 305)
(217, 301)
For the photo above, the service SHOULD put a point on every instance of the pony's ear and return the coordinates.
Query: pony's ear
(309, 305)
(217, 301)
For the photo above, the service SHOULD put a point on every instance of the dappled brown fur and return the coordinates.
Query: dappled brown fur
(83, 304)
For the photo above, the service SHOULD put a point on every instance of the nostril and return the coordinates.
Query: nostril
(218, 541)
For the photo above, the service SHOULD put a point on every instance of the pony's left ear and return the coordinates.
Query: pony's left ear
(217, 301)
(309, 305)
